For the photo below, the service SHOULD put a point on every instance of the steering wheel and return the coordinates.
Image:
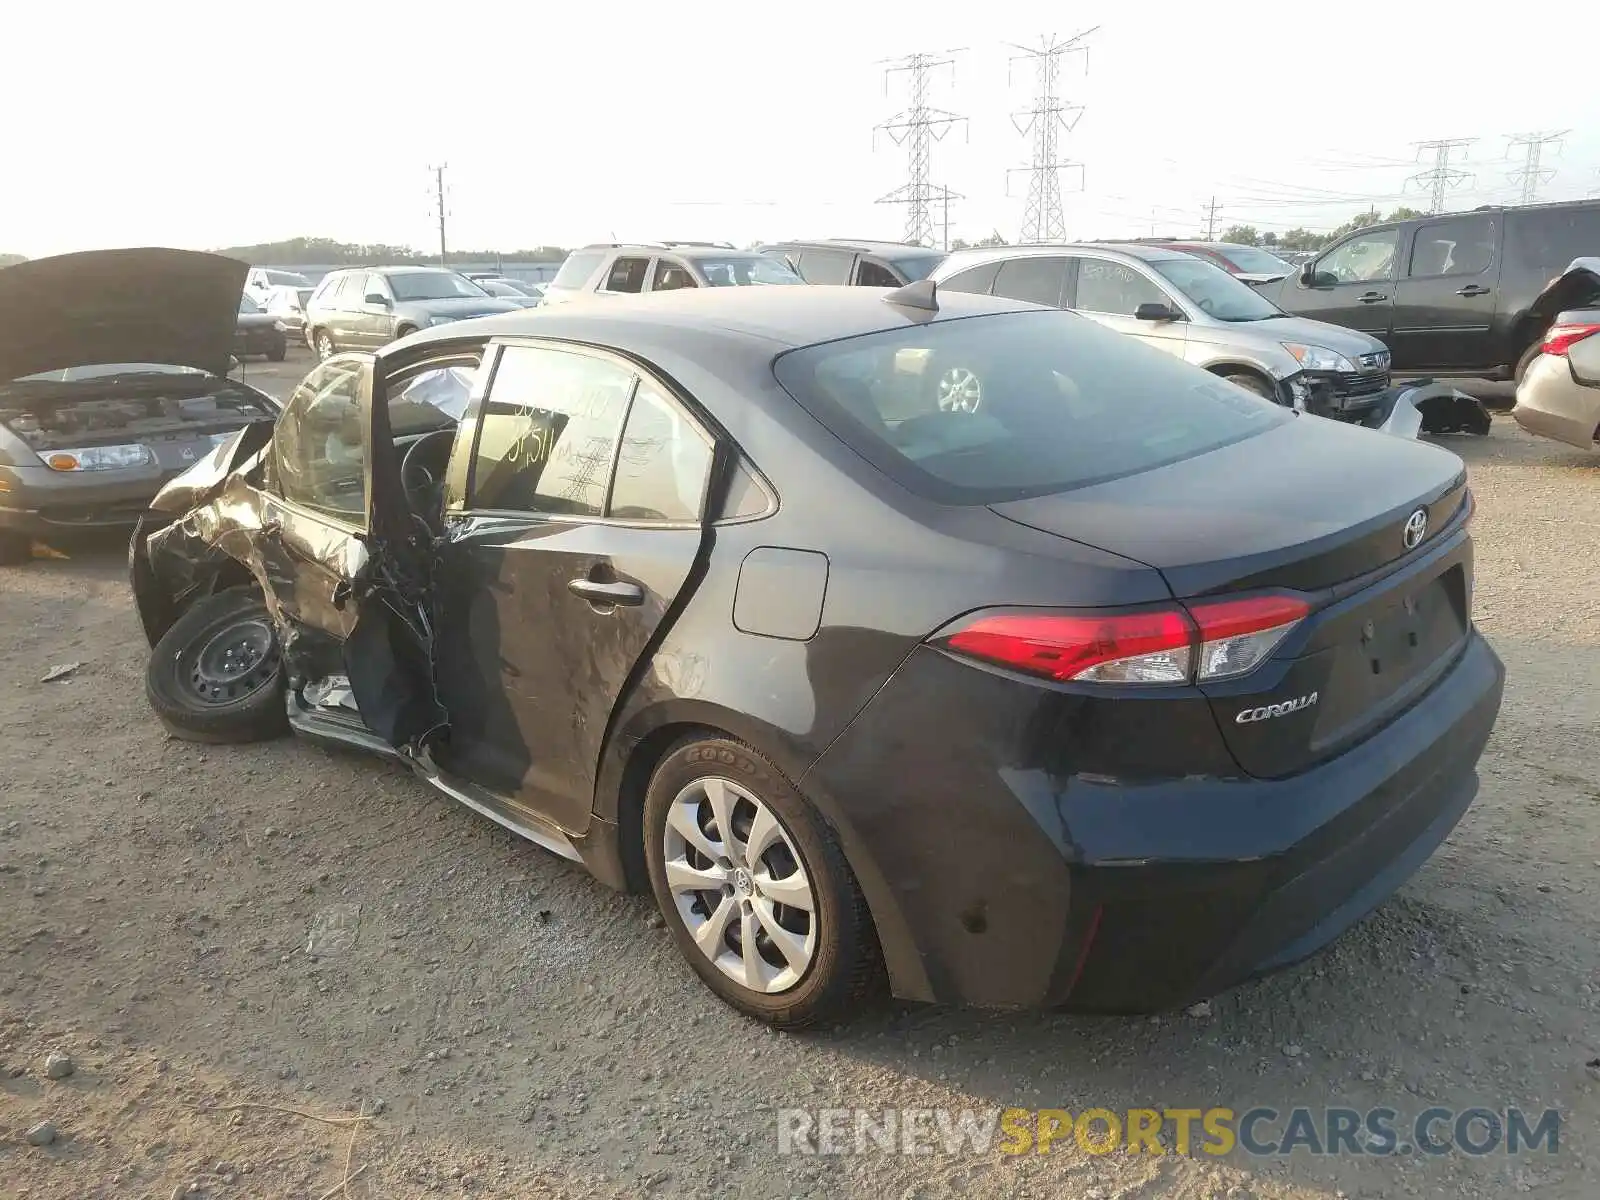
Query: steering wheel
(422, 487)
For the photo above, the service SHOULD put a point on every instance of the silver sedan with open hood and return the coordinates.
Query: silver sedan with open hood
(113, 379)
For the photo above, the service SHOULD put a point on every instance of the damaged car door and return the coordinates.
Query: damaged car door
(340, 582)
(580, 523)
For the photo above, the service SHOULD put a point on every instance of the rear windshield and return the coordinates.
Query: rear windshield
(1255, 262)
(575, 271)
(992, 408)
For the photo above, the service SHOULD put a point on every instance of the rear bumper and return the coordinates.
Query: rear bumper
(1551, 403)
(1015, 882)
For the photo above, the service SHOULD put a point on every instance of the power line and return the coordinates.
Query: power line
(438, 204)
(1211, 211)
(1530, 175)
(917, 128)
(1042, 218)
(1441, 177)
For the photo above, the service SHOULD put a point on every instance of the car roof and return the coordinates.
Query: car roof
(783, 317)
(978, 255)
(860, 245)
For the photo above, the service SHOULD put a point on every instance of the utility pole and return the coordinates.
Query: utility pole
(1441, 177)
(917, 128)
(1211, 218)
(1530, 175)
(946, 195)
(438, 202)
(1042, 218)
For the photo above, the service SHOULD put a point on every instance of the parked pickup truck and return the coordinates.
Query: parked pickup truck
(1465, 294)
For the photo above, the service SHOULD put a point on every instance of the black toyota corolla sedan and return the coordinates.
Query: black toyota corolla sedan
(933, 639)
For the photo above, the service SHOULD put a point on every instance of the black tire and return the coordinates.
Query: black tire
(846, 967)
(1254, 384)
(15, 548)
(199, 702)
(322, 342)
(279, 351)
(404, 331)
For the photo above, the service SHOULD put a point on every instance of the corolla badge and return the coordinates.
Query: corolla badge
(1416, 529)
(1267, 711)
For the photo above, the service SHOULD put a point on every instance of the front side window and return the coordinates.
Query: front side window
(1119, 290)
(994, 408)
(549, 432)
(374, 286)
(434, 398)
(746, 271)
(1366, 258)
(319, 447)
(1209, 288)
(627, 275)
(663, 464)
(248, 304)
(669, 276)
(1459, 246)
(872, 275)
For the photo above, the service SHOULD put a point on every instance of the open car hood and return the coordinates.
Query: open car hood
(155, 305)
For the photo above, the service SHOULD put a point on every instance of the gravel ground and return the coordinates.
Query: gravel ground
(242, 948)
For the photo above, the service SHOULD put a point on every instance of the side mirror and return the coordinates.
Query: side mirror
(1154, 312)
(380, 301)
(1308, 273)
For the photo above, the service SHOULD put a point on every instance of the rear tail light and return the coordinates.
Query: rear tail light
(1204, 641)
(1558, 339)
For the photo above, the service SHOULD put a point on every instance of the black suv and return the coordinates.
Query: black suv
(866, 264)
(1458, 293)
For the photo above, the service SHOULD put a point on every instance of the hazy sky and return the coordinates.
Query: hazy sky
(205, 125)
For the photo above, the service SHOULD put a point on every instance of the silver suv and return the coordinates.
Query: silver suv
(1194, 310)
(620, 269)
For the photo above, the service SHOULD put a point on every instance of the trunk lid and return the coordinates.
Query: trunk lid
(1316, 507)
(152, 305)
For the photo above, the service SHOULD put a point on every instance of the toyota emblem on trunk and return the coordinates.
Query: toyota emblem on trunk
(1416, 528)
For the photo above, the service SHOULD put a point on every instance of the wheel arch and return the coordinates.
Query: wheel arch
(1240, 367)
(649, 735)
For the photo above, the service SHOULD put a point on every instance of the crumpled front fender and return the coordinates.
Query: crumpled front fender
(198, 532)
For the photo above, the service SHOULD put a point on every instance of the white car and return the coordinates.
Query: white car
(262, 282)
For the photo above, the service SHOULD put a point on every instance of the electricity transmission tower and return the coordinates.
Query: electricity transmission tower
(438, 205)
(592, 463)
(917, 128)
(1441, 177)
(1042, 219)
(1530, 175)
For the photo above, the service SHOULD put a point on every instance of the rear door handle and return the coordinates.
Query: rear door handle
(1473, 289)
(1372, 297)
(619, 592)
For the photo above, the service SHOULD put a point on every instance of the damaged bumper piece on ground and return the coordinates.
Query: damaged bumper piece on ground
(1424, 406)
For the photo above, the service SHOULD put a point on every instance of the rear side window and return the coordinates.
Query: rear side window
(992, 408)
(663, 465)
(825, 266)
(1459, 246)
(1548, 239)
(549, 432)
(626, 275)
(973, 279)
(577, 268)
(1036, 280)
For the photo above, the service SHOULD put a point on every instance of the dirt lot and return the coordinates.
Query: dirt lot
(512, 1029)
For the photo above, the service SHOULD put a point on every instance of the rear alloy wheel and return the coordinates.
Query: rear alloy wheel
(755, 888)
(217, 675)
(1251, 383)
(323, 341)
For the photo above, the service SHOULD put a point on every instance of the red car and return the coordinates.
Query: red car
(1250, 263)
